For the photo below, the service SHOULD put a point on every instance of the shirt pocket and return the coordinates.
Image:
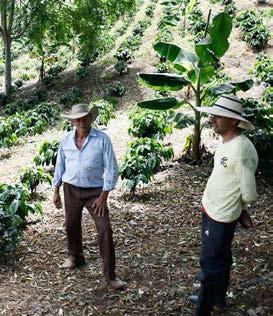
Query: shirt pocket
(70, 154)
(95, 160)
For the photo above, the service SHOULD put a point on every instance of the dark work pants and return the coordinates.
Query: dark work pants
(76, 199)
(215, 263)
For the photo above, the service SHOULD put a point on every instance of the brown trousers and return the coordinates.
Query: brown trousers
(75, 200)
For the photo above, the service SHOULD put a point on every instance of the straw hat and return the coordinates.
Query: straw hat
(228, 106)
(81, 110)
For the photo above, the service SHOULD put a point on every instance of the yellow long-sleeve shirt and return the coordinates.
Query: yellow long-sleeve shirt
(231, 185)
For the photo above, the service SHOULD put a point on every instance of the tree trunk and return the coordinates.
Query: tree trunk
(196, 138)
(7, 44)
(197, 125)
(42, 68)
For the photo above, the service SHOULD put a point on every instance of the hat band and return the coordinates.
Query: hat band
(225, 108)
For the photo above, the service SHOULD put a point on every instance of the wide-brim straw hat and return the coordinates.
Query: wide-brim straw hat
(81, 110)
(228, 106)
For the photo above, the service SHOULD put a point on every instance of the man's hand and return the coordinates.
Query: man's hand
(57, 199)
(99, 204)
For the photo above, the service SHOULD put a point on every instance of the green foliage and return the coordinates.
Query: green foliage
(17, 107)
(14, 208)
(132, 43)
(193, 69)
(105, 111)
(18, 83)
(47, 154)
(197, 24)
(262, 118)
(39, 95)
(71, 97)
(254, 31)
(9, 229)
(55, 71)
(117, 89)
(164, 67)
(83, 73)
(31, 177)
(208, 96)
(258, 37)
(52, 75)
(121, 67)
(142, 161)
(150, 10)
(148, 123)
(141, 26)
(29, 122)
(231, 9)
(263, 69)
(66, 126)
(268, 96)
(124, 55)
(164, 35)
(7, 137)
(92, 21)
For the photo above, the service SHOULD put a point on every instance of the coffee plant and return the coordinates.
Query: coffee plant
(142, 161)
(105, 111)
(263, 69)
(31, 177)
(262, 137)
(47, 154)
(268, 96)
(15, 206)
(147, 123)
(254, 31)
(71, 97)
(117, 89)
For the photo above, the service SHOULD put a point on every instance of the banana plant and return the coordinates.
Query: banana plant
(193, 69)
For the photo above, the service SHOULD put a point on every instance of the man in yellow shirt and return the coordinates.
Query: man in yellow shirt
(230, 188)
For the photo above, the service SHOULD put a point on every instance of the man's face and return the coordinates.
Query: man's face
(222, 124)
(82, 123)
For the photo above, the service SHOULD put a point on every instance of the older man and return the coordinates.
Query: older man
(230, 188)
(87, 167)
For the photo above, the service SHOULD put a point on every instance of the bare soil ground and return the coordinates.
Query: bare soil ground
(157, 232)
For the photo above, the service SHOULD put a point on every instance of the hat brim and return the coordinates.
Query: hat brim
(245, 124)
(94, 112)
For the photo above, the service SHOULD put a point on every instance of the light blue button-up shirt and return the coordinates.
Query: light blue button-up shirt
(93, 166)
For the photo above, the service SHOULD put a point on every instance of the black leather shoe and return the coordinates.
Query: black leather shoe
(193, 298)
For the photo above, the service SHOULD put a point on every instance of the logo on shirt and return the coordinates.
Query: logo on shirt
(224, 161)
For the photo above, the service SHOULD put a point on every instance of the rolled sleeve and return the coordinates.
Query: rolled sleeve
(110, 166)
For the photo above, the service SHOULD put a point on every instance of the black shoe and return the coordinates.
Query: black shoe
(193, 298)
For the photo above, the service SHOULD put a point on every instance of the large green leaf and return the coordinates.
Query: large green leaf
(243, 85)
(163, 81)
(219, 32)
(210, 49)
(205, 54)
(181, 58)
(169, 51)
(183, 120)
(206, 74)
(232, 87)
(172, 20)
(161, 104)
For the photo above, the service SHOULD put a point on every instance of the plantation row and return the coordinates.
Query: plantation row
(200, 73)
